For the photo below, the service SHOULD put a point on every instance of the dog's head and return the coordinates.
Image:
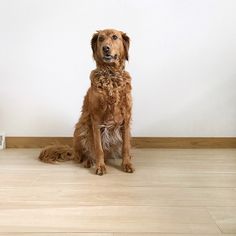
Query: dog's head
(110, 46)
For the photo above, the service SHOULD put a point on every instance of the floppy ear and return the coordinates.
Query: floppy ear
(126, 42)
(94, 42)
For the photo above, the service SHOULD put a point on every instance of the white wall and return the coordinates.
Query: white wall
(182, 59)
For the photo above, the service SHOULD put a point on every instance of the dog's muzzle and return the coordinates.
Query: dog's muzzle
(109, 58)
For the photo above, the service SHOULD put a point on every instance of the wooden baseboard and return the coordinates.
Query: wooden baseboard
(36, 142)
(180, 142)
(138, 142)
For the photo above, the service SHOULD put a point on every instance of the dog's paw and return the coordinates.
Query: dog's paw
(101, 170)
(88, 163)
(127, 167)
(78, 158)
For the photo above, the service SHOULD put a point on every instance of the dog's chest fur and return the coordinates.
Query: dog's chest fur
(111, 88)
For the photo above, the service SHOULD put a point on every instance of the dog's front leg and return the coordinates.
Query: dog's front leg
(126, 162)
(100, 165)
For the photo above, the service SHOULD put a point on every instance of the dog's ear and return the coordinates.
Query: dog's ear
(126, 42)
(94, 42)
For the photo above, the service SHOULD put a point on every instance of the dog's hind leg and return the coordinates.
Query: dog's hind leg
(80, 155)
(78, 150)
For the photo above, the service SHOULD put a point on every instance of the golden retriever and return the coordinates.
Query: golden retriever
(103, 129)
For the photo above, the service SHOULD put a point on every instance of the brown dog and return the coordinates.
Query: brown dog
(103, 129)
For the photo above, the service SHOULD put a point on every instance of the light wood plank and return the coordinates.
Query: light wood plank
(107, 234)
(108, 219)
(77, 195)
(57, 234)
(225, 218)
(160, 234)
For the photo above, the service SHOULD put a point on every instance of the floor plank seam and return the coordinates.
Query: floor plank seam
(213, 218)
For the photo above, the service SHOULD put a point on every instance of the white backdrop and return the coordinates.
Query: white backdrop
(182, 59)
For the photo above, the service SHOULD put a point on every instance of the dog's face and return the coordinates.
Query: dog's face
(110, 46)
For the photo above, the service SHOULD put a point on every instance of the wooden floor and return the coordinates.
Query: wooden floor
(172, 192)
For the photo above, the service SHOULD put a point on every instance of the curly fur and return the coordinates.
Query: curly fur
(56, 153)
(103, 129)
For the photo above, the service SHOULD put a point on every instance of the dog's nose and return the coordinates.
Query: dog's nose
(105, 48)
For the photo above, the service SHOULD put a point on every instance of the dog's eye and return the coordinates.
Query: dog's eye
(101, 38)
(114, 37)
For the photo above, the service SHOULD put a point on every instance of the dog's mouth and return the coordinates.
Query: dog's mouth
(109, 58)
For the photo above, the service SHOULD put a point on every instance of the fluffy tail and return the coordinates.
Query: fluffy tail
(56, 153)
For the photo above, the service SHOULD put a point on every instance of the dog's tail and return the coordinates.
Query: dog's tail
(56, 153)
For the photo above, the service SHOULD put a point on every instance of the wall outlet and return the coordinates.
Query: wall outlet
(2, 140)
